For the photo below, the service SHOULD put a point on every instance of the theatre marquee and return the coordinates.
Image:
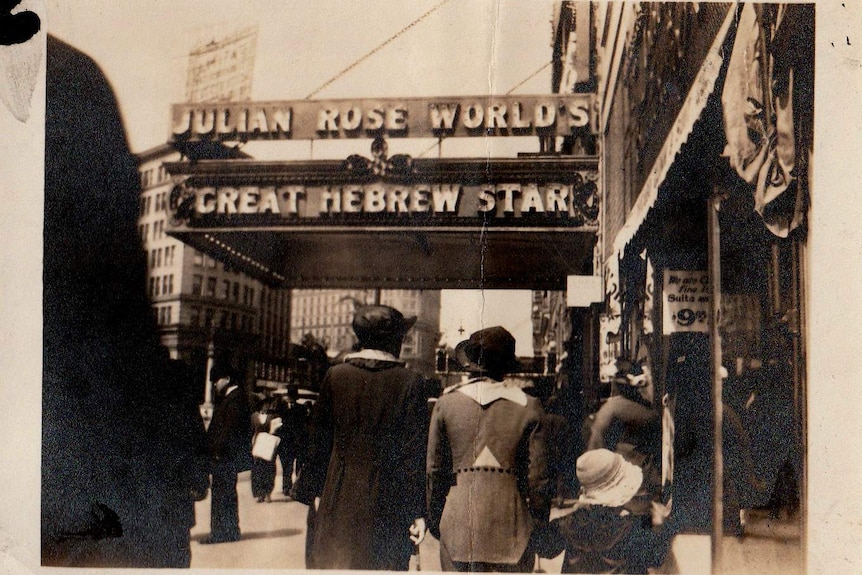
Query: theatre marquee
(394, 222)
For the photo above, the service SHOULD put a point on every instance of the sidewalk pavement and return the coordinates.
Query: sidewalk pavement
(770, 547)
(273, 537)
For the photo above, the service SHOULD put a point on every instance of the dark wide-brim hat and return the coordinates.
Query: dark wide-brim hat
(380, 323)
(488, 350)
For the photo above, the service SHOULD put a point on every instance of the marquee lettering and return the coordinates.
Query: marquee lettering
(413, 117)
(501, 200)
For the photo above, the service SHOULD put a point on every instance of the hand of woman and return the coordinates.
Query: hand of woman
(659, 512)
(418, 530)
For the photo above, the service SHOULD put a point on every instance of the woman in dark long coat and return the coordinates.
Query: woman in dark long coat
(367, 462)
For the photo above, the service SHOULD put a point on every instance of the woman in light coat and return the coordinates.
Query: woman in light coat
(487, 463)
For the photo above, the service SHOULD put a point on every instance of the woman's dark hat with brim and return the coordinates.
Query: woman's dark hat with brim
(380, 323)
(488, 350)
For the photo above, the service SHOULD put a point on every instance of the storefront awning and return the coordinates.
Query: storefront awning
(694, 104)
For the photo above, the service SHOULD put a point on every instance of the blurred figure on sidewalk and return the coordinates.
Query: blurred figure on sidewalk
(560, 456)
(116, 491)
(229, 437)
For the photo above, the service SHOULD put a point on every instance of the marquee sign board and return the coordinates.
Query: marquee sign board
(402, 193)
(462, 116)
(397, 222)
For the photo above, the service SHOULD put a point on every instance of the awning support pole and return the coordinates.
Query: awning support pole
(714, 253)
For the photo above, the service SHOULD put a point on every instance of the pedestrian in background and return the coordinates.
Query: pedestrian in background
(264, 420)
(229, 437)
(366, 464)
(487, 463)
(294, 437)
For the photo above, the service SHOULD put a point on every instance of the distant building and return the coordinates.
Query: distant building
(222, 67)
(198, 300)
(552, 329)
(327, 314)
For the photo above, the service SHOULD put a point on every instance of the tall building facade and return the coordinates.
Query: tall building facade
(327, 315)
(202, 304)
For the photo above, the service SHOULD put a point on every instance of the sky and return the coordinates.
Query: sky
(459, 48)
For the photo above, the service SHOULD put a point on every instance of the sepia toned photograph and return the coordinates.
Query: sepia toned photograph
(439, 285)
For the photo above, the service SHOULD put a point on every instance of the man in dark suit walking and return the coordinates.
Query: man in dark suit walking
(294, 437)
(229, 438)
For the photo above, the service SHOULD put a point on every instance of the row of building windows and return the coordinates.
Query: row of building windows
(153, 177)
(161, 285)
(161, 203)
(275, 304)
(158, 231)
(271, 372)
(303, 320)
(224, 289)
(332, 333)
(163, 314)
(200, 260)
(224, 319)
(156, 259)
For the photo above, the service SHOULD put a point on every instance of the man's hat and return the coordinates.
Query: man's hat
(380, 323)
(488, 350)
(220, 371)
(607, 478)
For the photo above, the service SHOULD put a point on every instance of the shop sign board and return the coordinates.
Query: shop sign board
(685, 301)
(464, 116)
(582, 291)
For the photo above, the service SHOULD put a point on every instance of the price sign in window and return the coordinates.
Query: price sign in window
(685, 301)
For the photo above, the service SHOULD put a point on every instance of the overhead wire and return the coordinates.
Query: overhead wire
(512, 89)
(376, 49)
(391, 39)
(528, 78)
